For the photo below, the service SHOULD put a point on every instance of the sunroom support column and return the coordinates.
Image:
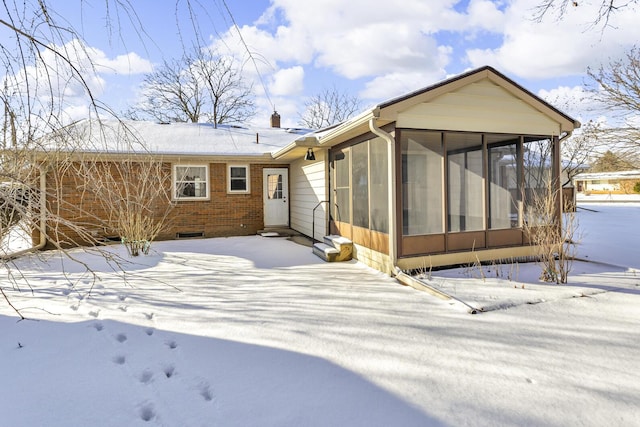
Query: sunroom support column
(556, 181)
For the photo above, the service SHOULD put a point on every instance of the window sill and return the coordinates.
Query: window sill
(191, 199)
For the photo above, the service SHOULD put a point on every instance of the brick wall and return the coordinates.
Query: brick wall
(223, 214)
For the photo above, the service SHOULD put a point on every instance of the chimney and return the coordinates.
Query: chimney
(275, 119)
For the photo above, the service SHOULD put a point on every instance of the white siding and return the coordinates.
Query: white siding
(308, 187)
(479, 107)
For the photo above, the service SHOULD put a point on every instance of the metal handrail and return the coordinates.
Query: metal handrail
(313, 220)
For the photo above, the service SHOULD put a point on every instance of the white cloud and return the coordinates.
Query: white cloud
(555, 48)
(485, 14)
(397, 83)
(131, 63)
(389, 50)
(572, 100)
(65, 78)
(288, 81)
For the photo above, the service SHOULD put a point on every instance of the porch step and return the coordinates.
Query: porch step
(334, 248)
(326, 252)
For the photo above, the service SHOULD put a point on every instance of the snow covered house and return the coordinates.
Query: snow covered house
(620, 182)
(435, 177)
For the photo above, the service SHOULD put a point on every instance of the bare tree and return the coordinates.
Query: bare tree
(44, 65)
(616, 86)
(559, 9)
(578, 150)
(202, 86)
(172, 94)
(328, 108)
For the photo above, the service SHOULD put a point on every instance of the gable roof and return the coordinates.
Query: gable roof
(468, 77)
(388, 111)
(203, 139)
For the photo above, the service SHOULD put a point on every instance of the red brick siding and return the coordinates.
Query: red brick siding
(223, 215)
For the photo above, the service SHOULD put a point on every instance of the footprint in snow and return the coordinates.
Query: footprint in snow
(149, 331)
(147, 412)
(205, 392)
(98, 326)
(121, 337)
(122, 297)
(172, 344)
(119, 359)
(149, 316)
(169, 370)
(146, 377)
(94, 313)
(123, 308)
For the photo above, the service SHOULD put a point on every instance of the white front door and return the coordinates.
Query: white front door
(276, 196)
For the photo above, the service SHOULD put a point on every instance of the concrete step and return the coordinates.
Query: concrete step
(326, 252)
(342, 244)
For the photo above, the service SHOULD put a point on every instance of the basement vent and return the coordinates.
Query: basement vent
(192, 235)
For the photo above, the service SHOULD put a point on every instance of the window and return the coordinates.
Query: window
(340, 197)
(274, 186)
(537, 169)
(238, 179)
(191, 182)
(359, 180)
(360, 183)
(422, 179)
(378, 185)
(505, 169)
(466, 182)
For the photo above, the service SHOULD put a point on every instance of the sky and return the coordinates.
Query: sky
(371, 48)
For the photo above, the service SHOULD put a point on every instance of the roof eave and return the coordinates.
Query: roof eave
(296, 148)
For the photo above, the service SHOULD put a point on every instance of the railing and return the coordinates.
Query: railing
(313, 220)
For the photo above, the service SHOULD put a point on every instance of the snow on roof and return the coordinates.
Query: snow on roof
(586, 176)
(113, 136)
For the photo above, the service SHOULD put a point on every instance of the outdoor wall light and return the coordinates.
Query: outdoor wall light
(309, 155)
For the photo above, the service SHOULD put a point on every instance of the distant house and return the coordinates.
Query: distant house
(622, 182)
(439, 176)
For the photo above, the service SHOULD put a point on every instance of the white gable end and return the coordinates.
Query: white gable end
(479, 107)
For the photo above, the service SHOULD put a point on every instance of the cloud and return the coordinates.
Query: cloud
(130, 63)
(486, 15)
(389, 50)
(552, 48)
(573, 100)
(288, 81)
(406, 80)
(63, 78)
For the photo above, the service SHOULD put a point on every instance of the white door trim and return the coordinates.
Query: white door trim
(275, 195)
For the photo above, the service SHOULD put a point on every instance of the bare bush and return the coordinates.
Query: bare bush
(553, 238)
(132, 193)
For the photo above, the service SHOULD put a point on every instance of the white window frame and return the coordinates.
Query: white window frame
(247, 178)
(174, 182)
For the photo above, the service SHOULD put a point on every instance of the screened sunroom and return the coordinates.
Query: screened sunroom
(456, 191)
(468, 191)
(445, 175)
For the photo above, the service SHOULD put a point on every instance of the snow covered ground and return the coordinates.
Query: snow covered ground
(254, 331)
